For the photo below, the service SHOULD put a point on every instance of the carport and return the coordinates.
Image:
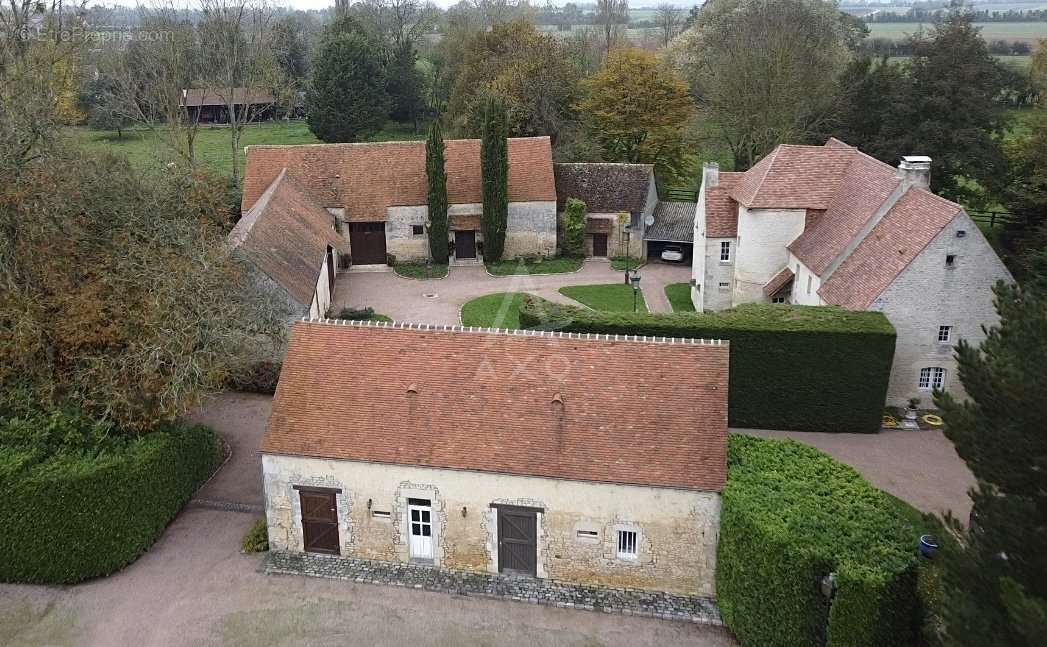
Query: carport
(673, 225)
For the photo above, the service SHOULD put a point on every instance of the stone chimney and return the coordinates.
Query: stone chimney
(711, 174)
(915, 170)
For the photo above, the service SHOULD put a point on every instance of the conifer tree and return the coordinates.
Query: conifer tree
(437, 174)
(494, 166)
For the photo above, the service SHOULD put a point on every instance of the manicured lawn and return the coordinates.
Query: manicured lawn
(621, 262)
(500, 310)
(558, 265)
(213, 145)
(679, 295)
(421, 270)
(613, 297)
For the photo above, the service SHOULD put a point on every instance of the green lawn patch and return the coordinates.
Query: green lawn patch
(621, 262)
(518, 266)
(421, 270)
(500, 310)
(612, 297)
(145, 148)
(679, 295)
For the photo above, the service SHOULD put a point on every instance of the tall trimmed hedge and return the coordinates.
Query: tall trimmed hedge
(792, 367)
(69, 514)
(791, 515)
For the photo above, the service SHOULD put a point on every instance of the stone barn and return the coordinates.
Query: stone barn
(581, 458)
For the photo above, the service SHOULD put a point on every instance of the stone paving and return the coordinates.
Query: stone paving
(633, 602)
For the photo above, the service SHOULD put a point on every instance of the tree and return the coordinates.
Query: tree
(574, 228)
(1038, 67)
(123, 300)
(105, 110)
(436, 173)
(669, 20)
(611, 15)
(765, 72)
(529, 70)
(995, 590)
(494, 168)
(636, 108)
(404, 86)
(347, 99)
(943, 104)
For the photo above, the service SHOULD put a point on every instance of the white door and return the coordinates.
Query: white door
(420, 528)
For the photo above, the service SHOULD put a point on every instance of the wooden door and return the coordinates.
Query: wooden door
(319, 521)
(517, 540)
(599, 244)
(465, 244)
(367, 243)
(420, 528)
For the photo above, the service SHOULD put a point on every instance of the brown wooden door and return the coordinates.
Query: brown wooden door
(599, 244)
(465, 244)
(517, 541)
(319, 521)
(367, 243)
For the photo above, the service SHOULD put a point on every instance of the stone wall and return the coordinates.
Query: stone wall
(531, 229)
(400, 239)
(927, 294)
(760, 253)
(677, 529)
(802, 277)
(717, 272)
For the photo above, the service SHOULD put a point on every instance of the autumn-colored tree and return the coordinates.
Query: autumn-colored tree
(117, 293)
(636, 107)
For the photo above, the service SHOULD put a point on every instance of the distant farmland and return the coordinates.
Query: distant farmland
(1030, 32)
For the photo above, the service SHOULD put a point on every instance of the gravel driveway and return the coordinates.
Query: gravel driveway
(438, 301)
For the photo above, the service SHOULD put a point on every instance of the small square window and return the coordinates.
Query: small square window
(778, 300)
(944, 334)
(627, 544)
(950, 260)
(417, 230)
(724, 285)
(932, 378)
(809, 279)
(725, 251)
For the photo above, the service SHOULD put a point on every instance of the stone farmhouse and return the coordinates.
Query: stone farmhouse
(830, 225)
(377, 195)
(609, 190)
(501, 452)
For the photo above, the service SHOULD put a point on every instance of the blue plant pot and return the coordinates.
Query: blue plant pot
(928, 546)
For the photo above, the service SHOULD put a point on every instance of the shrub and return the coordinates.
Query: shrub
(574, 228)
(792, 515)
(78, 506)
(792, 367)
(259, 377)
(358, 314)
(257, 538)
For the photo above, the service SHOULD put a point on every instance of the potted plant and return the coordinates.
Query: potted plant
(910, 414)
(928, 546)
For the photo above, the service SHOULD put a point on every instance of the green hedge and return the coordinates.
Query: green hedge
(791, 515)
(792, 367)
(79, 504)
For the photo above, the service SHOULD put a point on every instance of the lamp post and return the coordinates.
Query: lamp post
(626, 231)
(635, 278)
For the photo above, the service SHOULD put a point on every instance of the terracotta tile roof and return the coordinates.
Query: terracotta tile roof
(795, 177)
(285, 234)
(365, 179)
(777, 282)
(914, 220)
(640, 411)
(673, 222)
(866, 184)
(721, 211)
(212, 97)
(604, 188)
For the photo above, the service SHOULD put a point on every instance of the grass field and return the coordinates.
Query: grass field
(613, 297)
(501, 310)
(679, 295)
(212, 147)
(518, 266)
(1027, 31)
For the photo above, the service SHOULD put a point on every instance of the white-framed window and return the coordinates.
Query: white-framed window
(809, 279)
(778, 300)
(944, 334)
(627, 541)
(932, 377)
(725, 251)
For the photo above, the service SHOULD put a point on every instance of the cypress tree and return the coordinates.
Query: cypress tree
(437, 174)
(494, 165)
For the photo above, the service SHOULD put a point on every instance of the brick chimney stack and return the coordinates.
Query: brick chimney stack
(915, 170)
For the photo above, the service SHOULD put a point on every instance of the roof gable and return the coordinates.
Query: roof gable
(521, 402)
(604, 188)
(721, 211)
(366, 179)
(286, 234)
(794, 177)
(911, 223)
